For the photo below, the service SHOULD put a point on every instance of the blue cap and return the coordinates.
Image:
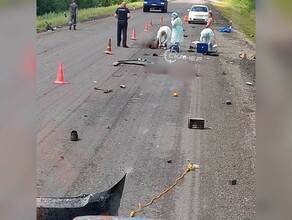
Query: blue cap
(174, 14)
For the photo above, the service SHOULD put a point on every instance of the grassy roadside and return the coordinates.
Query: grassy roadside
(243, 18)
(58, 19)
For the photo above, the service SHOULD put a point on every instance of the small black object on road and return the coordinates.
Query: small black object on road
(228, 102)
(232, 182)
(196, 123)
(74, 136)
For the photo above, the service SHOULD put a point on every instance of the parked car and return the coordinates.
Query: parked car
(198, 14)
(155, 4)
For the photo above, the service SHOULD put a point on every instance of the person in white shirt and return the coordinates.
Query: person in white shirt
(163, 36)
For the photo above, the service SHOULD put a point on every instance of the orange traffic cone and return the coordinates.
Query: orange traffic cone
(186, 18)
(151, 22)
(109, 47)
(134, 35)
(146, 27)
(60, 76)
(161, 20)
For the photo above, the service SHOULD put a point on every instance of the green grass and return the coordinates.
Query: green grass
(243, 18)
(58, 19)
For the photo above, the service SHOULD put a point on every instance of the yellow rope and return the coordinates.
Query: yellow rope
(190, 167)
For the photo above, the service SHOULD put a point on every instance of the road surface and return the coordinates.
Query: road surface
(136, 130)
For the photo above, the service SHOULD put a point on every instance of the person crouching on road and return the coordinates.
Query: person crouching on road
(73, 8)
(163, 36)
(122, 14)
(207, 35)
(177, 34)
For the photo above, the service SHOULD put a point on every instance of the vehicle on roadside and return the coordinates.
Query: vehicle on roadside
(155, 4)
(198, 14)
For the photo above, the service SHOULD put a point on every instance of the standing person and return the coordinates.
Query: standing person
(122, 14)
(73, 8)
(177, 34)
(210, 20)
(163, 36)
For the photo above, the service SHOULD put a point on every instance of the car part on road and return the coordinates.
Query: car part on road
(190, 167)
(232, 182)
(211, 53)
(67, 208)
(228, 102)
(49, 27)
(196, 123)
(104, 90)
(139, 62)
(74, 136)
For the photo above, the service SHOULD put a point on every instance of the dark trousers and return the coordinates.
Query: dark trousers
(73, 20)
(122, 28)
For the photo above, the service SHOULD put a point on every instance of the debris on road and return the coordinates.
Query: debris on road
(242, 55)
(253, 57)
(196, 123)
(74, 136)
(62, 157)
(94, 81)
(232, 182)
(249, 83)
(223, 73)
(85, 116)
(175, 94)
(198, 75)
(228, 102)
(86, 204)
(108, 127)
(107, 91)
(123, 86)
(104, 90)
(155, 55)
(169, 161)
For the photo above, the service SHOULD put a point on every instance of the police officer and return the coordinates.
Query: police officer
(122, 14)
(73, 12)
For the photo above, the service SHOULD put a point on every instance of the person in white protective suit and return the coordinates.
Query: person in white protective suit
(163, 36)
(177, 34)
(207, 35)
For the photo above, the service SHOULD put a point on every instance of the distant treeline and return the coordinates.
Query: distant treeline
(47, 6)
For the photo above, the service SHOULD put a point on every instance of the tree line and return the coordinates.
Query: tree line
(47, 6)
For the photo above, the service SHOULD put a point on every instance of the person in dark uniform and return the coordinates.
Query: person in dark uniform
(73, 12)
(122, 14)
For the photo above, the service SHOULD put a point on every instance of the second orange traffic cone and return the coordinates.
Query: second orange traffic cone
(60, 75)
(134, 35)
(109, 47)
(146, 27)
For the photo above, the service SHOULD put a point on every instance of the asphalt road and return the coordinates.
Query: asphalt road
(136, 130)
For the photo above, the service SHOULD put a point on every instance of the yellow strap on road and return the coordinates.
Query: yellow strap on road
(190, 167)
